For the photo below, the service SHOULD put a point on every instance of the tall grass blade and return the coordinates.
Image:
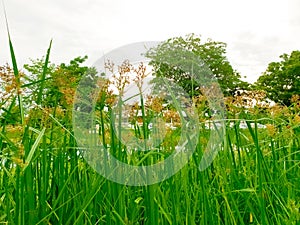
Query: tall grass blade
(45, 68)
(33, 148)
(15, 68)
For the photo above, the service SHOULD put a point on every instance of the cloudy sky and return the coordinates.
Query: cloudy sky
(256, 31)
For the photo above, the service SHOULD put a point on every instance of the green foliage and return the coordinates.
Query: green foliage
(35, 69)
(52, 85)
(37, 79)
(63, 82)
(44, 178)
(281, 80)
(212, 53)
(254, 179)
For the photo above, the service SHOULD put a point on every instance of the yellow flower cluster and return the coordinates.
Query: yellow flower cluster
(271, 129)
(10, 84)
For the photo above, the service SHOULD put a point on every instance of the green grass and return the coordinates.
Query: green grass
(58, 187)
(255, 179)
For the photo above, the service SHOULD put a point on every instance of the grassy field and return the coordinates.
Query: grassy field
(44, 179)
(254, 179)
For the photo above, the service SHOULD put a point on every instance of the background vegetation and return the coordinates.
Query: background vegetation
(253, 180)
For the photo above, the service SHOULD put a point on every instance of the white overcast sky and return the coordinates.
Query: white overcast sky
(256, 31)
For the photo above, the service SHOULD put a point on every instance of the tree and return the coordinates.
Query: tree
(281, 80)
(59, 85)
(60, 81)
(35, 78)
(64, 81)
(211, 53)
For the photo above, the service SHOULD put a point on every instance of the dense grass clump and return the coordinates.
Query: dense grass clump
(44, 179)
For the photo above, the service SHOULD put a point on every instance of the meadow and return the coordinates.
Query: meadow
(44, 178)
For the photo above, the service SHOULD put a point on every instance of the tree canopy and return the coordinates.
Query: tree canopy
(212, 53)
(281, 80)
(60, 81)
